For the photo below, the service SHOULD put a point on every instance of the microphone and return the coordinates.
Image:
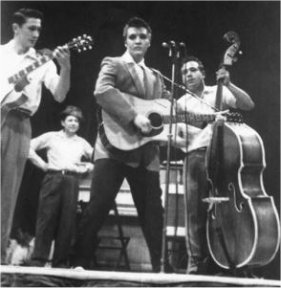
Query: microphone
(165, 45)
(182, 49)
(173, 48)
(171, 44)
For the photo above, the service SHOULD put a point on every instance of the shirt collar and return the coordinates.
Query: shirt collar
(127, 57)
(63, 135)
(30, 53)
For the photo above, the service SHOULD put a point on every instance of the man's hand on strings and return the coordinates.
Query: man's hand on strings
(62, 55)
(143, 123)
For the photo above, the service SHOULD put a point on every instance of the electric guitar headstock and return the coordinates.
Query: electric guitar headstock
(81, 43)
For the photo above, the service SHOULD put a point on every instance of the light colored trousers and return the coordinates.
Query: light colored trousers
(15, 140)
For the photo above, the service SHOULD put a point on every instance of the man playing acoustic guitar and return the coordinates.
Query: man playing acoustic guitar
(118, 75)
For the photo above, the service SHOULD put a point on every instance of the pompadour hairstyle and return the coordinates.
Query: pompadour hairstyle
(137, 23)
(23, 14)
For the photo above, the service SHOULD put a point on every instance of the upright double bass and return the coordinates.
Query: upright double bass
(243, 227)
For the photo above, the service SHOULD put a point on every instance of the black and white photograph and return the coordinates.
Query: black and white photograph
(140, 143)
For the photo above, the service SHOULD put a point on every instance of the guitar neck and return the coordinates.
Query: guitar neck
(189, 118)
(25, 71)
(17, 81)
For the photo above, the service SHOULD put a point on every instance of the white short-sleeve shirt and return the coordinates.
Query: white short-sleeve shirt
(198, 138)
(62, 152)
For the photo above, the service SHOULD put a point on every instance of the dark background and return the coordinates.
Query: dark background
(201, 25)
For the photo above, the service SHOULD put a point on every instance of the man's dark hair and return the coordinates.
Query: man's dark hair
(21, 16)
(195, 59)
(72, 111)
(136, 22)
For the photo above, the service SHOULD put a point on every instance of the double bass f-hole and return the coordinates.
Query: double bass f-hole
(238, 203)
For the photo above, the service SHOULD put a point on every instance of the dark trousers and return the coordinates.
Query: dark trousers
(15, 139)
(56, 217)
(108, 176)
(196, 188)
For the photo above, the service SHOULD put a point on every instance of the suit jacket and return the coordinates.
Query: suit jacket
(117, 76)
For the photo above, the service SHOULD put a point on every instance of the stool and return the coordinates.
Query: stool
(124, 241)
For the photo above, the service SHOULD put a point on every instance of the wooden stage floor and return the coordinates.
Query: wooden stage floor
(21, 276)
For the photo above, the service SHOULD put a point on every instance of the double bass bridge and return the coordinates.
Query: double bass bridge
(214, 200)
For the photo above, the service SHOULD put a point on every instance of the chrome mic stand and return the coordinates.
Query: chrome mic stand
(174, 55)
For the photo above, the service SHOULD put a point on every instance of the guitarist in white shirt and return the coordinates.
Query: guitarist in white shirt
(19, 101)
(119, 75)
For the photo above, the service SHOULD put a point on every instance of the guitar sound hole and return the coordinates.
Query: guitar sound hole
(155, 120)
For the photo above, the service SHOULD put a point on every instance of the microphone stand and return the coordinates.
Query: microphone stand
(173, 53)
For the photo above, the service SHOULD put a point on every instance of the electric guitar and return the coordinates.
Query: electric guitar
(11, 95)
(158, 112)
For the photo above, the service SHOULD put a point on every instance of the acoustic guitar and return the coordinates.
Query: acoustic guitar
(158, 112)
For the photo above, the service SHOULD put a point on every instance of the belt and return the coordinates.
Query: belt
(63, 172)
